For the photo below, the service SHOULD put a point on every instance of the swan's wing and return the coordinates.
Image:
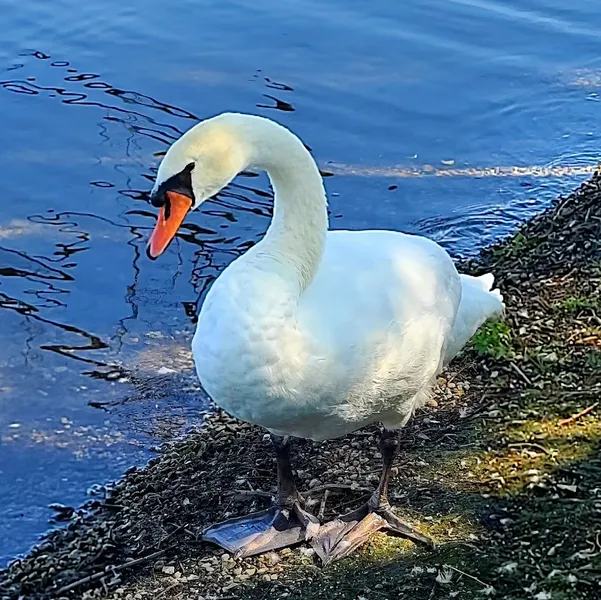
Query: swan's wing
(382, 300)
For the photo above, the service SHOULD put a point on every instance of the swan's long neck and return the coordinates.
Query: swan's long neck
(297, 234)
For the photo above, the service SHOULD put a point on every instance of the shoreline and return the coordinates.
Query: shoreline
(502, 468)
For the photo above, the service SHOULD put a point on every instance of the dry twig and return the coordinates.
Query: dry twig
(97, 576)
(577, 416)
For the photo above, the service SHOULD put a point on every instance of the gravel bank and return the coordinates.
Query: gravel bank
(502, 468)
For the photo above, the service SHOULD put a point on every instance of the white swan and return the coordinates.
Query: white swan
(313, 333)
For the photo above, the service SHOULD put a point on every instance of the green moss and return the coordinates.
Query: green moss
(515, 245)
(493, 339)
(593, 359)
(533, 450)
(521, 242)
(544, 360)
(576, 304)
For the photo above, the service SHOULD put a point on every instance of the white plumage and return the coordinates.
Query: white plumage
(315, 333)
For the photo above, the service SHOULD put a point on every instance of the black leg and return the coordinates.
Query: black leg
(287, 493)
(389, 448)
(284, 524)
(343, 535)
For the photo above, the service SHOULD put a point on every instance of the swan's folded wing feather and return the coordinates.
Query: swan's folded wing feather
(379, 292)
(479, 302)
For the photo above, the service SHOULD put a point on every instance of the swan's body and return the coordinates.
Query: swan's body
(316, 333)
(360, 344)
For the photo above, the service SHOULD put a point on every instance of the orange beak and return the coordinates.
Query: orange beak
(170, 218)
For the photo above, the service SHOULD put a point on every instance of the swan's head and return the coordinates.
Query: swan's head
(199, 164)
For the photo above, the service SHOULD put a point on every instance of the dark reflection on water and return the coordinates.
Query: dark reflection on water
(95, 364)
(41, 288)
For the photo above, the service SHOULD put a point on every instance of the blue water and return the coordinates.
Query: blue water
(407, 107)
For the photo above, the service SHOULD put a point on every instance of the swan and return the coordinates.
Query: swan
(313, 333)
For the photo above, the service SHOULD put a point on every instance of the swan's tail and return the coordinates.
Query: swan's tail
(479, 302)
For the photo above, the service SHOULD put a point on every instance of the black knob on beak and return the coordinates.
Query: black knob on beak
(158, 199)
